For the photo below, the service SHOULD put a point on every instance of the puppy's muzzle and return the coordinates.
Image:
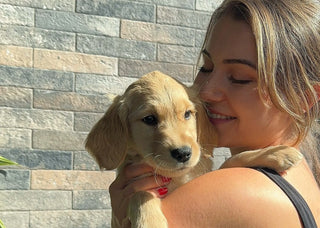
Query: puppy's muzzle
(182, 154)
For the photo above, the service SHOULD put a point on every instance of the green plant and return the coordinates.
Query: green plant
(1, 224)
(4, 161)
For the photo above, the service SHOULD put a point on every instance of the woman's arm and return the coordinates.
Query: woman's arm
(237, 197)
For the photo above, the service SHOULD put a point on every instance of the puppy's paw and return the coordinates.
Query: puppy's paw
(278, 158)
(154, 219)
(281, 158)
(145, 211)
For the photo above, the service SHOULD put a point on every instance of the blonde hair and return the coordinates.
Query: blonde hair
(287, 35)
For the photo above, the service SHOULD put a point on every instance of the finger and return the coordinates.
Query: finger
(135, 170)
(159, 192)
(128, 173)
(145, 184)
(118, 184)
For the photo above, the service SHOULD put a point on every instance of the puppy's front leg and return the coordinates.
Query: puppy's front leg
(145, 211)
(278, 158)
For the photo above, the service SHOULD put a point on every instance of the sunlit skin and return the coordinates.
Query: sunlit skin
(237, 197)
(228, 81)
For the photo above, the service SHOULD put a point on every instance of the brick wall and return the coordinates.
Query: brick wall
(61, 63)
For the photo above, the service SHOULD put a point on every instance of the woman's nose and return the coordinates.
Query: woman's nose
(212, 89)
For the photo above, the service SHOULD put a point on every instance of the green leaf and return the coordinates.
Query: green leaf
(1, 224)
(4, 161)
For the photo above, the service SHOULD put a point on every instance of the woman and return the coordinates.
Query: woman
(259, 79)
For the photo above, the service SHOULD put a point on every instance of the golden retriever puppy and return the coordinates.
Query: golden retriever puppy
(161, 122)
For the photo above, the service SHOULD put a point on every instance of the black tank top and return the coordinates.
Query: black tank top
(306, 217)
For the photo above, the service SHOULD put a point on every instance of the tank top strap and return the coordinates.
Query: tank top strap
(306, 217)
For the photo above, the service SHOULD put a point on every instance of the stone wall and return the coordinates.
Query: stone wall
(61, 63)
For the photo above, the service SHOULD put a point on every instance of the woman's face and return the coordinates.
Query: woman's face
(228, 82)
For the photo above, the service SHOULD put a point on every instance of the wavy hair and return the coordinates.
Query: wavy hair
(287, 36)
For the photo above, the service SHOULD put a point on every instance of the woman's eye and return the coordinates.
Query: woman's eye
(205, 70)
(237, 81)
(150, 120)
(187, 115)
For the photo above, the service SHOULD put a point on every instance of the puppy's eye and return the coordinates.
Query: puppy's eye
(150, 120)
(187, 115)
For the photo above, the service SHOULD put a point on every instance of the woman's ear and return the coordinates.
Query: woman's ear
(311, 101)
(107, 141)
(317, 89)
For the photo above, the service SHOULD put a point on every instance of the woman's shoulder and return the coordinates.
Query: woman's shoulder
(229, 197)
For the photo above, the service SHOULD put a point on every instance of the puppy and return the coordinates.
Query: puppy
(161, 122)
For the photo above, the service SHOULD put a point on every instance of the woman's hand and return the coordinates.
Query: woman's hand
(132, 179)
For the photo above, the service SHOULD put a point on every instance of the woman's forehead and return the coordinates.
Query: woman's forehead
(233, 39)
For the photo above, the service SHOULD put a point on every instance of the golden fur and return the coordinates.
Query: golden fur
(161, 122)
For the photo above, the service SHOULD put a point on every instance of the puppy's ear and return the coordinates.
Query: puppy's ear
(107, 141)
(207, 136)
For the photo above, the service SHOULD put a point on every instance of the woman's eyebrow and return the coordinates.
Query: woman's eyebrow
(233, 61)
(240, 61)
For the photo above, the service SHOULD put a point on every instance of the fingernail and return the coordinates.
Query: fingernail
(283, 173)
(162, 191)
(166, 179)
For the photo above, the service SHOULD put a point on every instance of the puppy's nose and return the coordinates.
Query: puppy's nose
(182, 154)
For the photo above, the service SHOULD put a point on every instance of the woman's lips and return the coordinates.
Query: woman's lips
(216, 118)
